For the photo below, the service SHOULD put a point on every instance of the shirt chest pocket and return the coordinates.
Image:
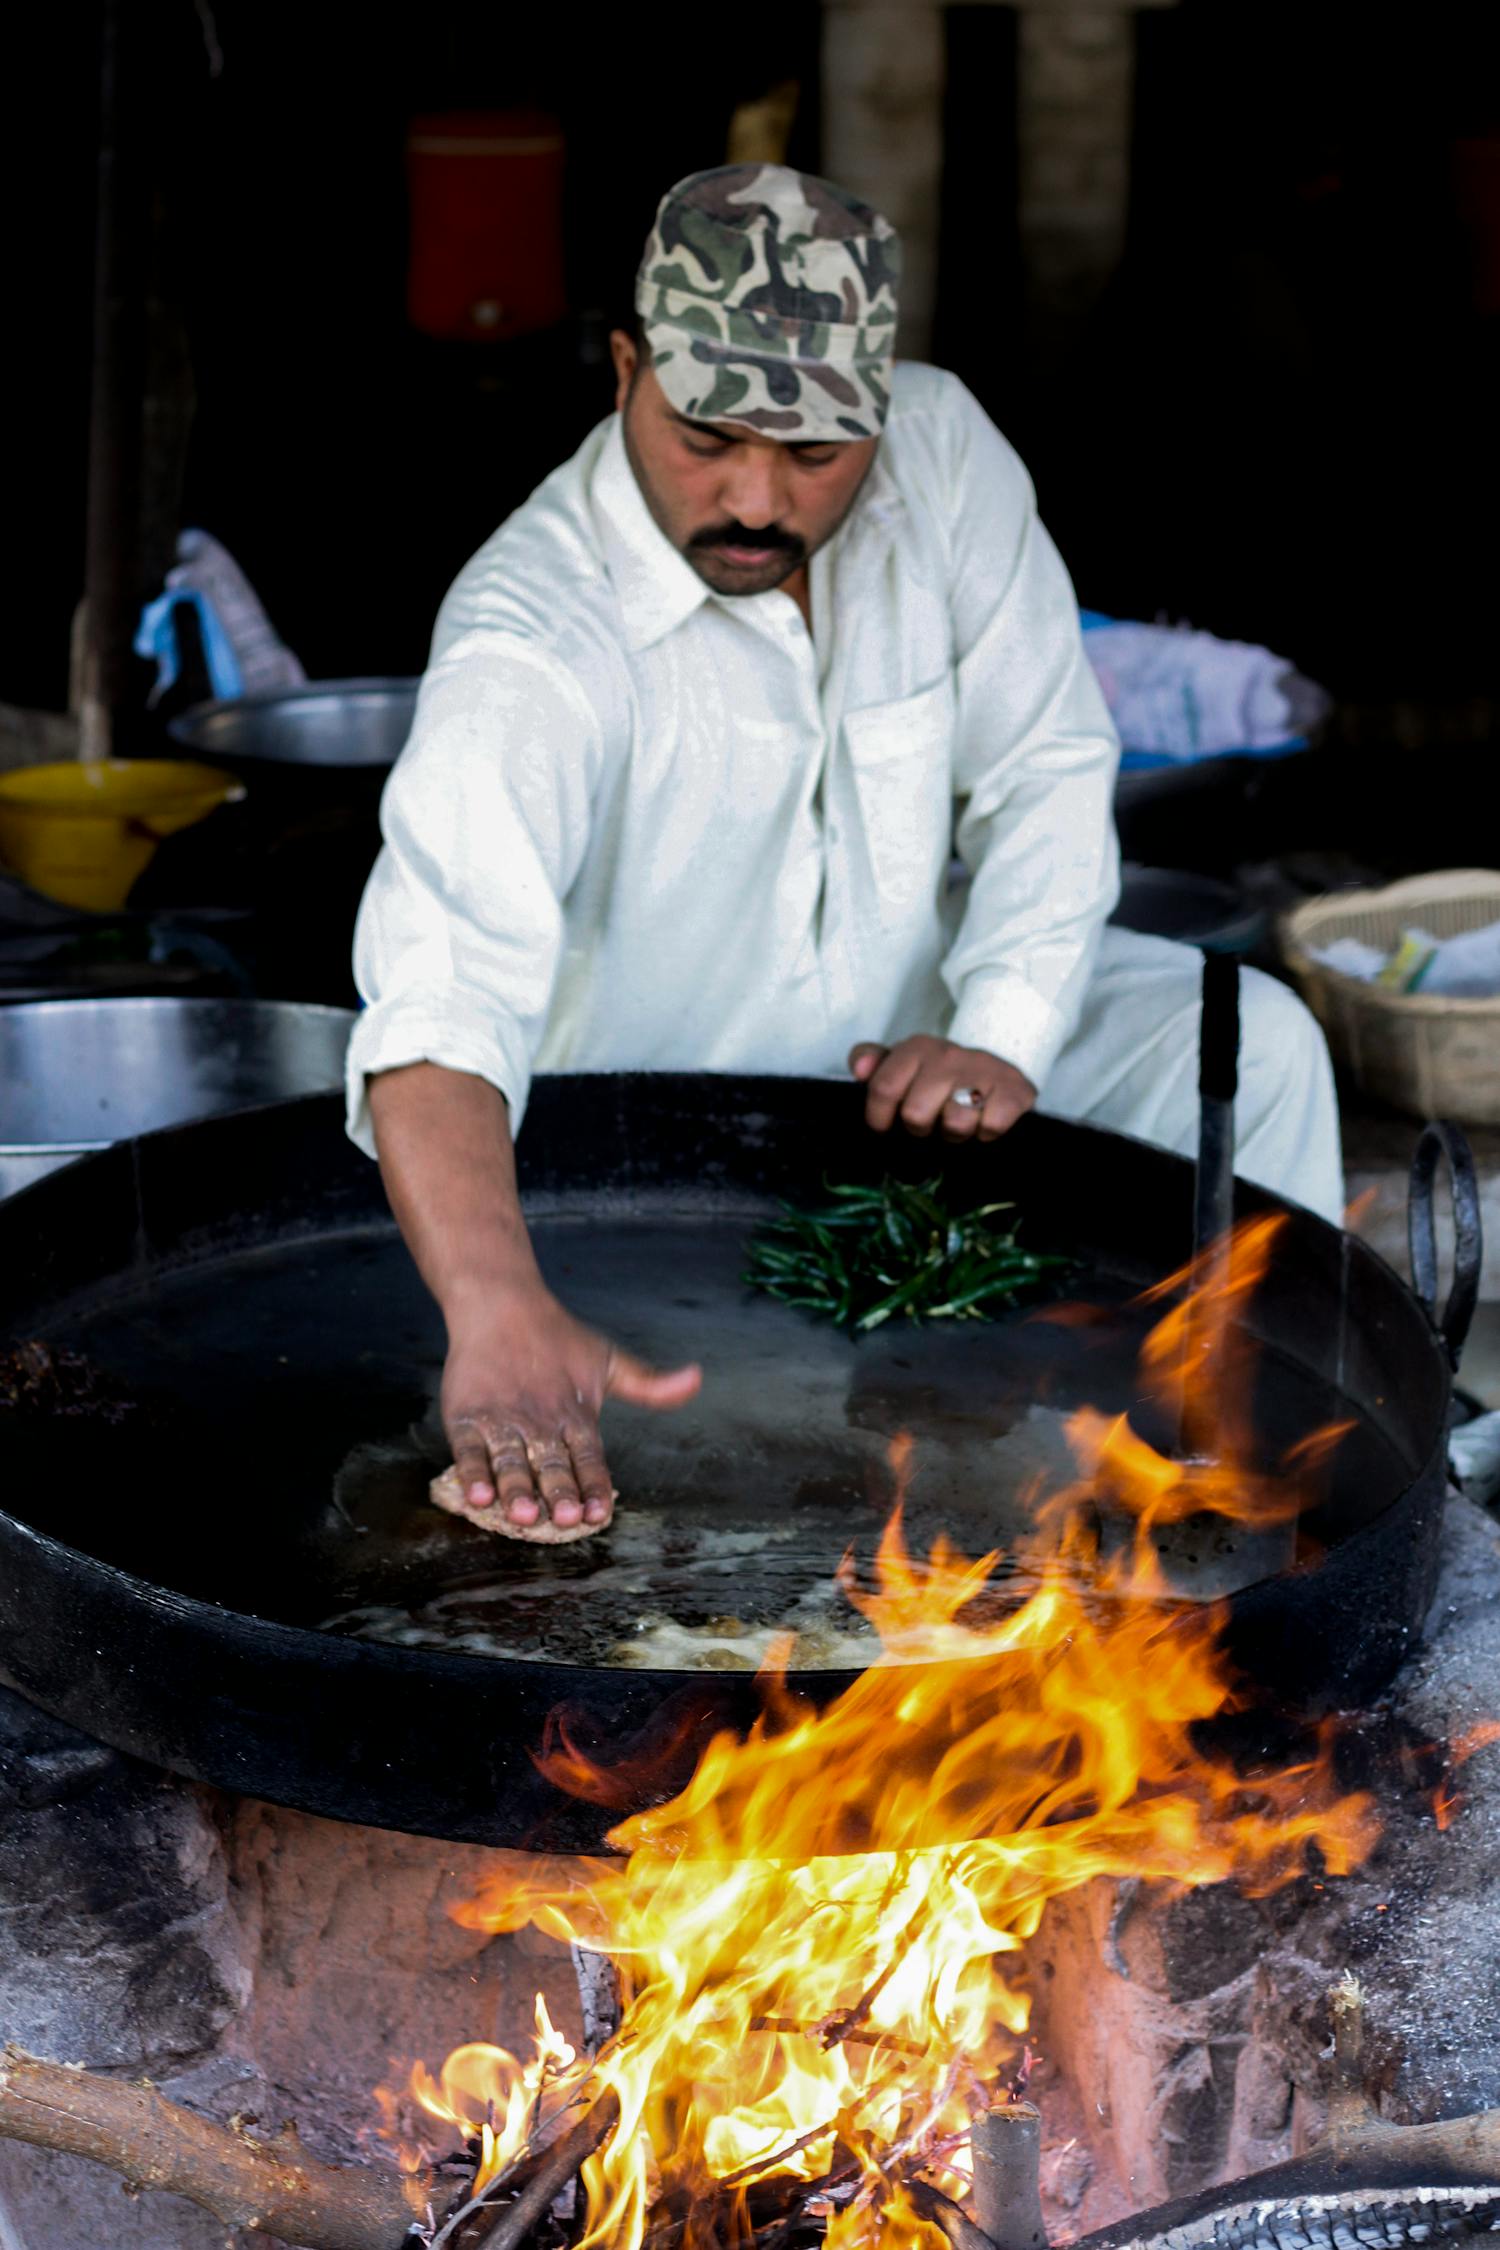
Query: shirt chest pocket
(900, 761)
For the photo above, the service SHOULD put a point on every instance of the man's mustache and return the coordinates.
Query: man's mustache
(769, 538)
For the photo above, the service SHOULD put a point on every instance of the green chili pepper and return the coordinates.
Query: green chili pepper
(873, 1251)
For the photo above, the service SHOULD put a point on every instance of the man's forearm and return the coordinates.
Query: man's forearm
(524, 1381)
(449, 1167)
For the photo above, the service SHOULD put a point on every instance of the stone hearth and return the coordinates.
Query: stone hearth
(266, 1963)
(1185, 2039)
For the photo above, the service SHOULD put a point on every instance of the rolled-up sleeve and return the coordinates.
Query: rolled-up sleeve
(485, 819)
(1034, 770)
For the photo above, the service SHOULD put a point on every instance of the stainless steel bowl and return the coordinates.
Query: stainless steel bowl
(76, 1075)
(342, 723)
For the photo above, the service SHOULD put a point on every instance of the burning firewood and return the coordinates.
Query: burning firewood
(962, 2233)
(1366, 2180)
(485, 2219)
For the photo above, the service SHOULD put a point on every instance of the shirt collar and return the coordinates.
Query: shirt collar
(658, 588)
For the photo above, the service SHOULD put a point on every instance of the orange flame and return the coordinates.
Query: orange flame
(1358, 1209)
(484, 2092)
(1477, 1737)
(822, 1935)
(1448, 1800)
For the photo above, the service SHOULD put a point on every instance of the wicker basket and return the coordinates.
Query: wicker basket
(1433, 1056)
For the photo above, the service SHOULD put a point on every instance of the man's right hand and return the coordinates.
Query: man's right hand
(524, 1381)
(522, 1392)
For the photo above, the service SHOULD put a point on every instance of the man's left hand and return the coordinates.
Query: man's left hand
(920, 1079)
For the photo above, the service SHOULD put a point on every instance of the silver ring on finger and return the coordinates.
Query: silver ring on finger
(967, 1097)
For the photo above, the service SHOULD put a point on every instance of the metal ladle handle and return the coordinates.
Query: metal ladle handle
(1444, 1138)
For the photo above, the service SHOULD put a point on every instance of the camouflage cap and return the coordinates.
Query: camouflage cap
(768, 297)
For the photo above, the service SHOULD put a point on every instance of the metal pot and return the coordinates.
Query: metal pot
(314, 761)
(348, 724)
(78, 1075)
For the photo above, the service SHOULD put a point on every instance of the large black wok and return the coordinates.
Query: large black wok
(249, 1468)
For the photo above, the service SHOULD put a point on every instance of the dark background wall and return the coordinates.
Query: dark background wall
(1279, 421)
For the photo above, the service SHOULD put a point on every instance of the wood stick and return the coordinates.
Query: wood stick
(1006, 2204)
(1349, 2105)
(268, 2187)
(788, 2197)
(846, 2023)
(854, 2035)
(931, 2203)
(762, 2164)
(600, 2002)
(1456, 2152)
(503, 2226)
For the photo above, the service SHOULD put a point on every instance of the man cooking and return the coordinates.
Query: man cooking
(681, 793)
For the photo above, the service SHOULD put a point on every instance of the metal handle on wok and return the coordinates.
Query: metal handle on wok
(1213, 1182)
(1444, 1138)
(1218, 1083)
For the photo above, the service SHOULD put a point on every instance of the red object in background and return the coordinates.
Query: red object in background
(486, 257)
(1476, 179)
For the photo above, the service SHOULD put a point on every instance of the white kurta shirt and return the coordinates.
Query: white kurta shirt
(639, 825)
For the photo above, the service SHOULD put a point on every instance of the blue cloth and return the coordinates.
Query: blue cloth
(1152, 761)
(156, 638)
(1134, 759)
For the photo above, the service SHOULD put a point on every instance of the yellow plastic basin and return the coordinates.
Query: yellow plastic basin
(81, 834)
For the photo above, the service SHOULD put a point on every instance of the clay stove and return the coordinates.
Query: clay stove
(269, 1965)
